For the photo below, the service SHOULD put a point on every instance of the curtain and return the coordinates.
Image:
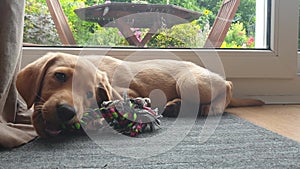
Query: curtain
(15, 127)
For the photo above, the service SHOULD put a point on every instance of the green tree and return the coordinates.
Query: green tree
(246, 14)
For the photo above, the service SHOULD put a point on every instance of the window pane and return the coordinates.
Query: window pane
(160, 27)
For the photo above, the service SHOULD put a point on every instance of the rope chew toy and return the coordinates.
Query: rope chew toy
(128, 116)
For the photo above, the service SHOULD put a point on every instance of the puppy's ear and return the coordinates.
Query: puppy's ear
(104, 89)
(30, 78)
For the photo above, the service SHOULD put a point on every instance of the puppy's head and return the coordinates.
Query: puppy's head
(61, 87)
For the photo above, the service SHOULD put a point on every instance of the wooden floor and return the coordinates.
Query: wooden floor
(281, 119)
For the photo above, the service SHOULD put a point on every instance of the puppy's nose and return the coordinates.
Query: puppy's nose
(65, 112)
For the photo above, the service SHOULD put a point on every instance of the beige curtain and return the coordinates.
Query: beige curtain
(15, 127)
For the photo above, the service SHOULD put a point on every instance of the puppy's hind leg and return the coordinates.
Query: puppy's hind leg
(220, 102)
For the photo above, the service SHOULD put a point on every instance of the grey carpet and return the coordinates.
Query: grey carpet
(235, 144)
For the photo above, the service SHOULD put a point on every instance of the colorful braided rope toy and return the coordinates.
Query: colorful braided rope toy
(128, 116)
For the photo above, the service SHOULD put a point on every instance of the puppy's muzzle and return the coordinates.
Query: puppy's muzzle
(65, 112)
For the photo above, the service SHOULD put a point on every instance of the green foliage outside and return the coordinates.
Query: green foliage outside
(237, 37)
(39, 27)
(173, 38)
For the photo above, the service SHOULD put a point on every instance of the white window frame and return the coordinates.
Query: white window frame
(267, 74)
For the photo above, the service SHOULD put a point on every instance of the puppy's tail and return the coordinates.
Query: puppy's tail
(235, 102)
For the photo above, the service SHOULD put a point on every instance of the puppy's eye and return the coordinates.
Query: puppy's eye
(89, 94)
(60, 76)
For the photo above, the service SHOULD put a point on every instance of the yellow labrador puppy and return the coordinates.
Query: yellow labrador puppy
(62, 86)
